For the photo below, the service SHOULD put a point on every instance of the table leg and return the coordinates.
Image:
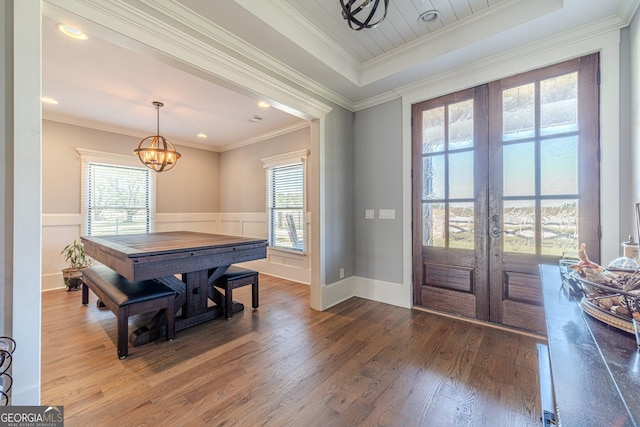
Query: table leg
(192, 297)
(196, 292)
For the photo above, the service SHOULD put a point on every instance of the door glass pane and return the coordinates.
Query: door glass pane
(461, 175)
(433, 177)
(559, 104)
(433, 130)
(518, 169)
(461, 125)
(519, 226)
(518, 112)
(559, 226)
(433, 224)
(559, 166)
(461, 225)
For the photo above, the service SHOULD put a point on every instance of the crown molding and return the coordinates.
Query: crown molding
(150, 32)
(628, 11)
(496, 65)
(120, 130)
(497, 62)
(210, 31)
(265, 136)
(376, 100)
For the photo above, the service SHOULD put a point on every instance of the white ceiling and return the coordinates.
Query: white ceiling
(109, 84)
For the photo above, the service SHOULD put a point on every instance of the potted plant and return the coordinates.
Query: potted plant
(75, 256)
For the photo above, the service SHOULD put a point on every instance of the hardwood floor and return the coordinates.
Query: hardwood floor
(359, 363)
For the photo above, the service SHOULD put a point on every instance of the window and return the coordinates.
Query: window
(117, 195)
(286, 200)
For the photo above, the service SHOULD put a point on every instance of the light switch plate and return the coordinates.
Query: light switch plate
(369, 214)
(387, 214)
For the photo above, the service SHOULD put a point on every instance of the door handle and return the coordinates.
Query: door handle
(495, 232)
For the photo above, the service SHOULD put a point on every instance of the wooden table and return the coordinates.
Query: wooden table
(201, 258)
(595, 367)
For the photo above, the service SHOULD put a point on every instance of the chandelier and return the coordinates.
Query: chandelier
(361, 13)
(156, 152)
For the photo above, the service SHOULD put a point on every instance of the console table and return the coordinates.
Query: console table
(595, 368)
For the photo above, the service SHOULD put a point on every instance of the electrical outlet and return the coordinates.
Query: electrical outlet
(341, 273)
(369, 214)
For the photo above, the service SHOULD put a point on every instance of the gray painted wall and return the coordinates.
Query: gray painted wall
(190, 187)
(339, 177)
(242, 175)
(378, 185)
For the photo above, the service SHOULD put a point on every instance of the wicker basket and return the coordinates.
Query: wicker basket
(619, 313)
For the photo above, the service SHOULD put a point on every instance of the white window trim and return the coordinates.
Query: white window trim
(299, 156)
(93, 156)
(287, 159)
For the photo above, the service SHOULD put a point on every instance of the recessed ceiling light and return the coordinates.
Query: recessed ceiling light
(428, 17)
(48, 100)
(71, 31)
(263, 104)
(202, 135)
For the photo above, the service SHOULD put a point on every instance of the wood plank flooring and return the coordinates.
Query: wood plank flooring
(360, 363)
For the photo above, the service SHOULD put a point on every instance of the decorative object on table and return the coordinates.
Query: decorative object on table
(362, 14)
(75, 256)
(569, 282)
(156, 152)
(7, 347)
(611, 296)
(589, 270)
(629, 260)
(605, 317)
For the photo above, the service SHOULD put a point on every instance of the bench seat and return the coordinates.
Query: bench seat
(126, 298)
(236, 277)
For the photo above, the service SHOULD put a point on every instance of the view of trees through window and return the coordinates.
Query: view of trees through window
(286, 206)
(540, 151)
(118, 199)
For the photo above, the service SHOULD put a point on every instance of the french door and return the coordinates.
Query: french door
(505, 177)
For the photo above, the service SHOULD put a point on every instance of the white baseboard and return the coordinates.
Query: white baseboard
(338, 292)
(376, 290)
(388, 292)
(52, 281)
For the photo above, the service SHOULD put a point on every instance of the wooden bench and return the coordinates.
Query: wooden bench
(125, 298)
(236, 277)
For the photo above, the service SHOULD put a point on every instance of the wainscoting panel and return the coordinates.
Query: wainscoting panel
(286, 264)
(199, 222)
(58, 230)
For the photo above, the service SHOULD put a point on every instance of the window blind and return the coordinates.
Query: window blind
(118, 199)
(286, 206)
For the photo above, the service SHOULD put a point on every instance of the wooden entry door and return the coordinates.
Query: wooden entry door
(505, 176)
